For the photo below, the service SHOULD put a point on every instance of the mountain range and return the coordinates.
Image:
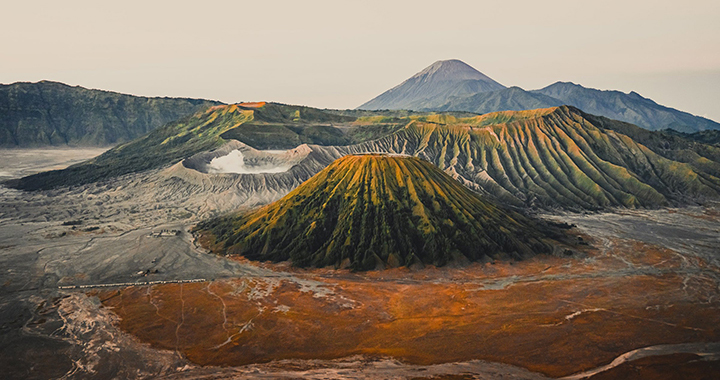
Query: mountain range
(54, 114)
(50, 113)
(558, 157)
(455, 86)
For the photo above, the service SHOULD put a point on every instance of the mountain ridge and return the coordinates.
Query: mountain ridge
(456, 96)
(48, 113)
(628, 107)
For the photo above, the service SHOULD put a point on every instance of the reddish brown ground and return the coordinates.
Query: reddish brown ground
(252, 104)
(562, 316)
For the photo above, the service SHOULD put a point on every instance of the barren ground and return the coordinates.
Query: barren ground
(647, 278)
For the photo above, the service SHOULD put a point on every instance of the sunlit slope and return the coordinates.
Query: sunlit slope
(368, 211)
(168, 144)
(261, 125)
(549, 157)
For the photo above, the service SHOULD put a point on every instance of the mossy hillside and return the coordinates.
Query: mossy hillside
(553, 157)
(368, 211)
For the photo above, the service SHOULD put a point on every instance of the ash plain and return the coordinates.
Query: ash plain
(135, 229)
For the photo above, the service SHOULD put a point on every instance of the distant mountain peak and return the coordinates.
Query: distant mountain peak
(436, 83)
(452, 69)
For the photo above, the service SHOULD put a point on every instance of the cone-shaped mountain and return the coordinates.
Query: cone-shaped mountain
(370, 211)
(441, 80)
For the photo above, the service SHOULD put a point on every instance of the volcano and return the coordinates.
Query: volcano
(374, 211)
(441, 80)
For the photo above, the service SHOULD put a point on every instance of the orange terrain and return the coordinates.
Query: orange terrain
(553, 315)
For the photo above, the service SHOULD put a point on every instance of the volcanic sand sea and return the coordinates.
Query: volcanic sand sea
(15, 163)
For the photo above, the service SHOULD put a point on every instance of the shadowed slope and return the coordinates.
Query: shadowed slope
(552, 157)
(372, 211)
(631, 108)
(168, 144)
(508, 99)
(51, 113)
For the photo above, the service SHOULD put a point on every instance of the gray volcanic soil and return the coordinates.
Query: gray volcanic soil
(134, 229)
(16, 163)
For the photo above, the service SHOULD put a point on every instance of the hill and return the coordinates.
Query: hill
(441, 80)
(439, 88)
(374, 211)
(50, 113)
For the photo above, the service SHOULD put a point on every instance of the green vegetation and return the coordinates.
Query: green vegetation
(700, 149)
(49, 113)
(705, 137)
(370, 211)
(555, 157)
(169, 144)
(546, 158)
(267, 126)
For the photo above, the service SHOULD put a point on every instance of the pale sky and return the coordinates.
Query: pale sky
(339, 54)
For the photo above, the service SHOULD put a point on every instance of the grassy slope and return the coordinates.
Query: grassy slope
(699, 149)
(551, 157)
(373, 210)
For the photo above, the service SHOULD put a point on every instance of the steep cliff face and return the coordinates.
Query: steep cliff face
(50, 113)
(370, 211)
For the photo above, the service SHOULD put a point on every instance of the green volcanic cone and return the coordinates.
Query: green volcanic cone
(370, 211)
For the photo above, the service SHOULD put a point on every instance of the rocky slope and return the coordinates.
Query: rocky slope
(266, 126)
(50, 113)
(370, 211)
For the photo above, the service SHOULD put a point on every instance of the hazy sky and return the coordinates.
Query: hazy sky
(338, 54)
